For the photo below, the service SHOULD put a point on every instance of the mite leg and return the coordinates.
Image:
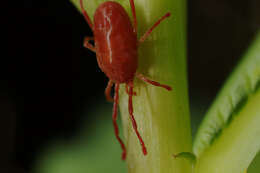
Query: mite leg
(126, 90)
(85, 14)
(145, 79)
(108, 91)
(134, 14)
(114, 117)
(148, 32)
(130, 108)
(88, 45)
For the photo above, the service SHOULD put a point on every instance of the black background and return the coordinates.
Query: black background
(48, 78)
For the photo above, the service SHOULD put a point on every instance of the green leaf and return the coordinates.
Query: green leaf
(228, 138)
(255, 165)
(186, 155)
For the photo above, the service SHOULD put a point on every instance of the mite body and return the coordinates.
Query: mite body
(116, 47)
(115, 42)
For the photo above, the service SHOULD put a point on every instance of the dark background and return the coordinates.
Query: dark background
(48, 78)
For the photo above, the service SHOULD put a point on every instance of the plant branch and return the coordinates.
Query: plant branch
(162, 116)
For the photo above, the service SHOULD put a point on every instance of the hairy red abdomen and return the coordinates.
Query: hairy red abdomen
(115, 42)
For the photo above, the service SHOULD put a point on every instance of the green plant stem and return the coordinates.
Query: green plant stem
(162, 116)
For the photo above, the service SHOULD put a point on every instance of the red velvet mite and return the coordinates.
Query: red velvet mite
(116, 46)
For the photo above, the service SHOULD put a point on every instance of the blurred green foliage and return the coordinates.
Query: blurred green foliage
(228, 137)
(94, 150)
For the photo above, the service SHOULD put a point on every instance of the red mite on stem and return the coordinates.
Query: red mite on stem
(116, 47)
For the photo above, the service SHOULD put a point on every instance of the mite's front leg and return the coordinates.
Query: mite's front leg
(88, 45)
(108, 91)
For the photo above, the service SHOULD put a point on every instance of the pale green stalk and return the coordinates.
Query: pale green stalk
(162, 116)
